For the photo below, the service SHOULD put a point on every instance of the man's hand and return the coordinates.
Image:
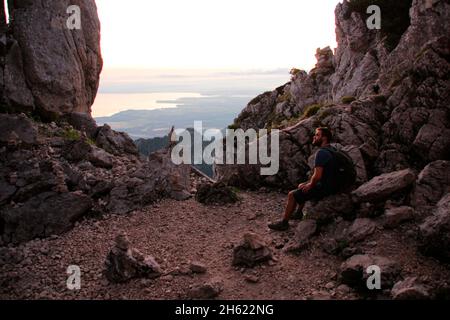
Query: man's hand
(305, 187)
(301, 185)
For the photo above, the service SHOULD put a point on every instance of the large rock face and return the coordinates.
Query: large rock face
(47, 67)
(390, 103)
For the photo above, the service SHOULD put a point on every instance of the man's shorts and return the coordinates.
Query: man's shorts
(315, 193)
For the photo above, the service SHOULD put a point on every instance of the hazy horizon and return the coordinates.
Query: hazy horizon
(159, 54)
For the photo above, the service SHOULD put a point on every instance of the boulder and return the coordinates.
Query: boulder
(325, 210)
(435, 231)
(360, 230)
(77, 150)
(6, 191)
(217, 193)
(44, 215)
(251, 251)
(100, 158)
(433, 182)
(355, 153)
(382, 187)
(124, 263)
(83, 122)
(116, 143)
(354, 271)
(410, 289)
(393, 217)
(17, 129)
(303, 233)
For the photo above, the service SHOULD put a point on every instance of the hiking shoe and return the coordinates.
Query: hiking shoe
(298, 215)
(282, 225)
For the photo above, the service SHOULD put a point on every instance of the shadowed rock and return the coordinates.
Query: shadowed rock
(435, 231)
(393, 217)
(217, 193)
(326, 209)
(354, 271)
(44, 215)
(410, 289)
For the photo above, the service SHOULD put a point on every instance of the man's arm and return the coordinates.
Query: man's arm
(316, 177)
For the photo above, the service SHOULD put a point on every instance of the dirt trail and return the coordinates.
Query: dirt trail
(176, 233)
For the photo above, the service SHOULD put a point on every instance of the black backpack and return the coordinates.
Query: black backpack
(345, 170)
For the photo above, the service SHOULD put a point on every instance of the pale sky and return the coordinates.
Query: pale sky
(213, 34)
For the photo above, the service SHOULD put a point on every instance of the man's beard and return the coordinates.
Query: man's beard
(317, 143)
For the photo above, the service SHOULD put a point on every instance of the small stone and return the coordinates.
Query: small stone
(208, 290)
(330, 285)
(252, 278)
(167, 278)
(44, 250)
(343, 289)
(197, 267)
(122, 242)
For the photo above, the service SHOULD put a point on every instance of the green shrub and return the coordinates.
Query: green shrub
(284, 97)
(347, 99)
(91, 142)
(394, 17)
(312, 110)
(72, 134)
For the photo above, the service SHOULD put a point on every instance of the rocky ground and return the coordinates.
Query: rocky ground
(179, 234)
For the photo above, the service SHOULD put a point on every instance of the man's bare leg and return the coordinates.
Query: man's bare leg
(290, 206)
(289, 210)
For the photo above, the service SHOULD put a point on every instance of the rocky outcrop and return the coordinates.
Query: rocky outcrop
(53, 175)
(43, 215)
(384, 93)
(357, 56)
(56, 72)
(115, 142)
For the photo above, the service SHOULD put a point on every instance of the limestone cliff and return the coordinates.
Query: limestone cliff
(389, 103)
(46, 68)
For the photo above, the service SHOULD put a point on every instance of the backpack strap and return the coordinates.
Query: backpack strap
(330, 149)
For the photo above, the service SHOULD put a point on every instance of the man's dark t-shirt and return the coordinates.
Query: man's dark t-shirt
(325, 159)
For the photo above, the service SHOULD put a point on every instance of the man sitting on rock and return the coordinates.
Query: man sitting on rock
(319, 186)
